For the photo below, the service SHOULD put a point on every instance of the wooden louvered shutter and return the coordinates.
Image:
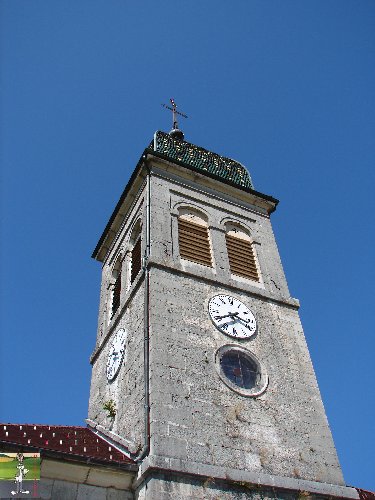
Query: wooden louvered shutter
(241, 258)
(116, 293)
(136, 260)
(193, 242)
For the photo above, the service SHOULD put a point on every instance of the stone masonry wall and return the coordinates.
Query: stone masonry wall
(195, 416)
(127, 389)
(171, 487)
(54, 489)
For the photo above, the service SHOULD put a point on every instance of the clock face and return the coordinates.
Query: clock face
(232, 317)
(116, 354)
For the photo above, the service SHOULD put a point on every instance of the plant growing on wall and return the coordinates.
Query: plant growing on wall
(110, 407)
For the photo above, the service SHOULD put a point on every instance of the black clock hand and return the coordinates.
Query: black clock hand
(226, 315)
(247, 321)
(243, 319)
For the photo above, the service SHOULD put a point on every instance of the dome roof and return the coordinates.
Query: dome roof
(201, 159)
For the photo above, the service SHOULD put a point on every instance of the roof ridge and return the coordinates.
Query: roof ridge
(45, 425)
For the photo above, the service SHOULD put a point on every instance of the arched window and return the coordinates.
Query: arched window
(116, 291)
(193, 237)
(136, 252)
(241, 253)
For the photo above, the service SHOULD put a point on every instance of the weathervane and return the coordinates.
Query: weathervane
(174, 113)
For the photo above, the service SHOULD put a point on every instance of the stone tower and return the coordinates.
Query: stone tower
(200, 352)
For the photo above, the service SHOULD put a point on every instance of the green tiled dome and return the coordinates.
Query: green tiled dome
(201, 159)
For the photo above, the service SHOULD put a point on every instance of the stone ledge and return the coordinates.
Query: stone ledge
(249, 290)
(189, 468)
(125, 446)
(98, 476)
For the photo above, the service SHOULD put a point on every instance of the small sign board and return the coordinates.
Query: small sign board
(19, 475)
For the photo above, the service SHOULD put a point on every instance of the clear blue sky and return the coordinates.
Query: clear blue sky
(287, 88)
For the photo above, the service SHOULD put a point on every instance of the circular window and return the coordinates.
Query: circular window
(240, 370)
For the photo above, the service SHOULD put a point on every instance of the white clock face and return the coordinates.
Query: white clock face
(232, 317)
(116, 354)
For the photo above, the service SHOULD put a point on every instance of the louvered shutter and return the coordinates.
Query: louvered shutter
(136, 260)
(116, 293)
(241, 258)
(194, 242)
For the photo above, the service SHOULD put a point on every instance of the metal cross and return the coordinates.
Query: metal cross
(174, 113)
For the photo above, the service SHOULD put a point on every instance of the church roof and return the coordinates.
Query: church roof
(72, 441)
(201, 159)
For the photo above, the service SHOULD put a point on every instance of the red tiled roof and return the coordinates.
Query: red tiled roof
(365, 495)
(73, 441)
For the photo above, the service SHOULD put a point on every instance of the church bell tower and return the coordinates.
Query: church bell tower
(201, 372)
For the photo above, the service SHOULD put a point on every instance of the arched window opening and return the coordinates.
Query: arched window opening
(136, 252)
(136, 263)
(241, 253)
(116, 293)
(193, 237)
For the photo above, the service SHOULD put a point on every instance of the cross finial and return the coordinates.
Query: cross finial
(174, 113)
